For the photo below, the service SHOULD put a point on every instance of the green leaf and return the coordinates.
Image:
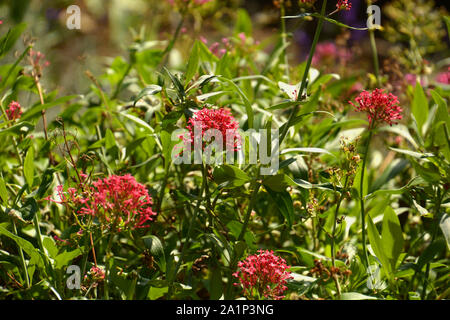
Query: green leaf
(35, 111)
(419, 106)
(148, 91)
(17, 129)
(403, 131)
(215, 284)
(138, 121)
(247, 104)
(444, 224)
(177, 84)
(356, 296)
(193, 63)
(395, 168)
(110, 140)
(392, 237)
(29, 209)
(3, 191)
(377, 246)
(156, 293)
(8, 40)
(429, 253)
(228, 176)
(441, 124)
(28, 167)
(447, 22)
(26, 246)
(64, 258)
(306, 150)
(156, 248)
(316, 15)
(284, 205)
(202, 81)
(243, 23)
(46, 181)
(50, 246)
(278, 182)
(414, 154)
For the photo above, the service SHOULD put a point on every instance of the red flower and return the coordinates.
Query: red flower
(14, 111)
(218, 119)
(118, 202)
(263, 273)
(379, 106)
(344, 5)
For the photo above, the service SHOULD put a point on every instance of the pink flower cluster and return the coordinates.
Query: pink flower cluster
(379, 106)
(14, 111)
(444, 77)
(38, 59)
(343, 5)
(216, 49)
(264, 275)
(329, 52)
(218, 119)
(119, 202)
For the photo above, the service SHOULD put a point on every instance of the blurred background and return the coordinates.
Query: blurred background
(109, 27)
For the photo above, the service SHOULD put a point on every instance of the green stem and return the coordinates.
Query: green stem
(433, 236)
(373, 46)
(171, 44)
(249, 211)
(333, 235)
(305, 74)
(119, 85)
(188, 236)
(22, 258)
(284, 41)
(108, 255)
(47, 262)
(363, 216)
(336, 212)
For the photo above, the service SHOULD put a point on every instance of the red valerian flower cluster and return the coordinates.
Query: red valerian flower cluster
(343, 5)
(263, 275)
(379, 106)
(14, 111)
(118, 202)
(218, 119)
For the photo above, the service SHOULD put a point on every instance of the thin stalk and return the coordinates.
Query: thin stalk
(41, 245)
(433, 236)
(373, 46)
(336, 212)
(284, 41)
(249, 211)
(174, 39)
(22, 258)
(41, 98)
(162, 191)
(305, 74)
(130, 66)
(363, 216)
(107, 257)
(188, 236)
(333, 235)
